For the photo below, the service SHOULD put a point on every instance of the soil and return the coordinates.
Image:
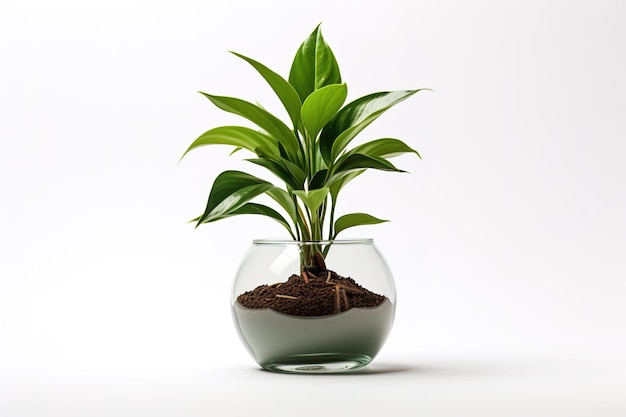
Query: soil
(311, 295)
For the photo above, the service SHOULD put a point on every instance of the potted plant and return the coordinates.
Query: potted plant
(294, 313)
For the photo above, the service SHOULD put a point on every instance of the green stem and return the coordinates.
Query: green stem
(311, 152)
(298, 235)
(301, 153)
(306, 231)
(314, 226)
(331, 226)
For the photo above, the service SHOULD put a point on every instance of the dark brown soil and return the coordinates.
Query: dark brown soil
(311, 295)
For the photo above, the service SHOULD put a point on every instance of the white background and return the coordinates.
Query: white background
(507, 241)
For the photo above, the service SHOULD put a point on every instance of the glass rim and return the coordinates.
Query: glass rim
(362, 241)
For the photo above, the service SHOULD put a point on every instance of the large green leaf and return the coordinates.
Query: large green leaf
(355, 219)
(262, 118)
(383, 148)
(321, 106)
(238, 136)
(230, 191)
(355, 117)
(313, 199)
(314, 66)
(285, 92)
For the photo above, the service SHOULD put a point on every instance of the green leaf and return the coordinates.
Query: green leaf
(339, 183)
(321, 106)
(355, 117)
(318, 180)
(230, 191)
(314, 66)
(355, 219)
(285, 92)
(383, 148)
(238, 136)
(351, 163)
(261, 117)
(285, 200)
(237, 149)
(359, 161)
(313, 199)
(253, 208)
(289, 173)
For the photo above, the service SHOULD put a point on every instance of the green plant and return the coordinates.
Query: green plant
(311, 157)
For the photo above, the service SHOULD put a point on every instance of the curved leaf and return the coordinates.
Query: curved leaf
(289, 173)
(261, 117)
(238, 136)
(283, 198)
(230, 191)
(314, 66)
(313, 199)
(351, 163)
(237, 149)
(355, 117)
(318, 180)
(355, 219)
(254, 208)
(336, 186)
(321, 106)
(285, 92)
(358, 161)
(383, 148)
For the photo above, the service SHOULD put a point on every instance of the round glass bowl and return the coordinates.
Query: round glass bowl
(343, 341)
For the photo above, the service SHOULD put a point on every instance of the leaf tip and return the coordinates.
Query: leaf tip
(183, 155)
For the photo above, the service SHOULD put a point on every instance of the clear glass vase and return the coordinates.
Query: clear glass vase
(347, 338)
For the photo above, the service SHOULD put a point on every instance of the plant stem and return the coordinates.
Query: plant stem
(306, 231)
(331, 226)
